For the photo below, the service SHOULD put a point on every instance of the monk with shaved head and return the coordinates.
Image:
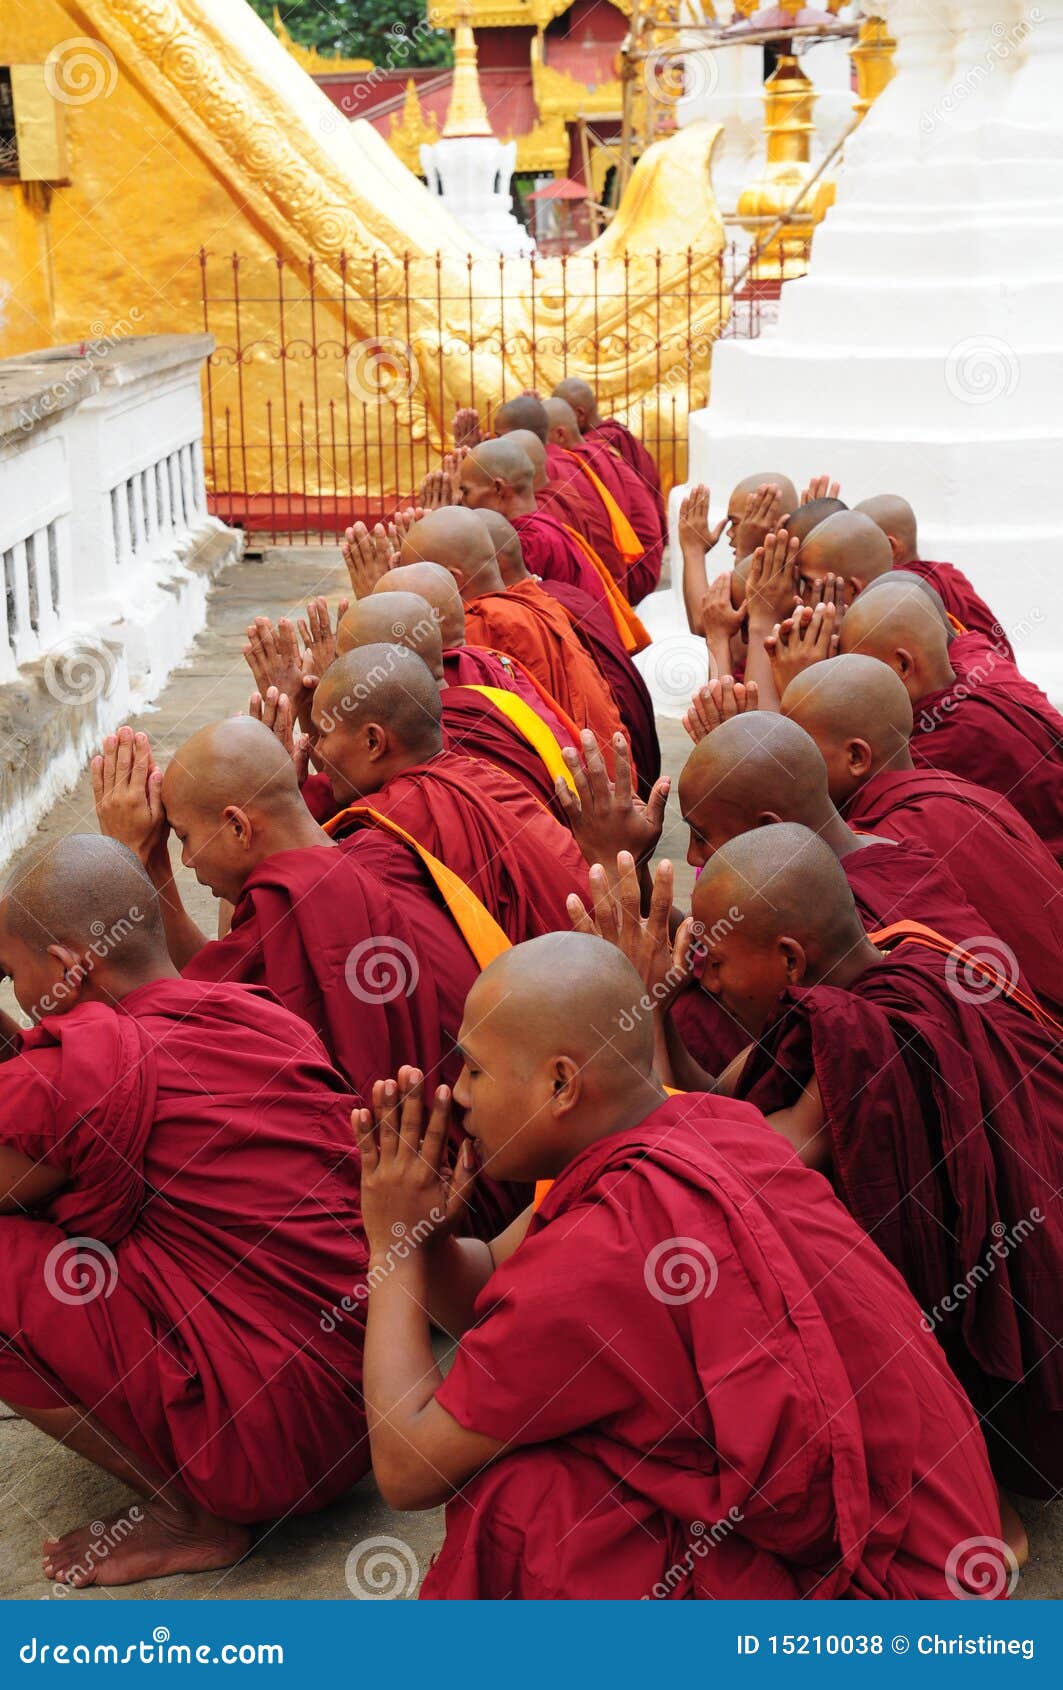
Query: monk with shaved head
(975, 715)
(808, 516)
(633, 504)
(378, 717)
(860, 716)
(303, 905)
(847, 545)
(759, 506)
(614, 434)
(760, 769)
(705, 1320)
(897, 520)
(179, 1197)
(932, 1091)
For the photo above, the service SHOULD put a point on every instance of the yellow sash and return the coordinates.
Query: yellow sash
(532, 728)
(633, 634)
(474, 921)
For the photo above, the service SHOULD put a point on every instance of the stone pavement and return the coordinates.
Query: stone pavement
(44, 1490)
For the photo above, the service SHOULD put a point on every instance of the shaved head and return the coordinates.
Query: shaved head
(859, 714)
(807, 517)
(238, 762)
(782, 880)
(580, 395)
(896, 519)
(523, 412)
(75, 891)
(909, 577)
(749, 484)
(438, 588)
(848, 545)
(897, 613)
(393, 618)
(456, 539)
(386, 684)
(755, 768)
(503, 460)
(534, 451)
(507, 545)
(552, 1067)
(562, 422)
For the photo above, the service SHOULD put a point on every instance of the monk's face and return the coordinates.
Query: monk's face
(814, 565)
(214, 846)
(476, 490)
(345, 753)
(509, 1096)
(743, 972)
(711, 824)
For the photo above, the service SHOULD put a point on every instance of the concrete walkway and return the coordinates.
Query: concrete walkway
(46, 1491)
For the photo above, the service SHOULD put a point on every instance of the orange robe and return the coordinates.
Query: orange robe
(529, 625)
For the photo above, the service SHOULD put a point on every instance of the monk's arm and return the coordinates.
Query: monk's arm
(683, 1073)
(421, 1455)
(183, 937)
(804, 1124)
(460, 1268)
(25, 1184)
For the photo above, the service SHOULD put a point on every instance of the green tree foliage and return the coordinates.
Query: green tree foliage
(390, 32)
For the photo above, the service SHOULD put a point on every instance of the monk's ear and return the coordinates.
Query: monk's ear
(566, 1084)
(905, 662)
(794, 960)
(238, 824)
(854, 585)
(75, 967)
(896, 548)
(859, 757)
(376, 740)
(767, 818)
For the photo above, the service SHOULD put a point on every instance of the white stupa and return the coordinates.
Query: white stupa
(923, 352)
(468, 166)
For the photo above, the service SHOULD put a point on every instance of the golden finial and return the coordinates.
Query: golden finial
(466, 112)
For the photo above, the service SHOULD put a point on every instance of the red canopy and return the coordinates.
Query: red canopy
(563, 188)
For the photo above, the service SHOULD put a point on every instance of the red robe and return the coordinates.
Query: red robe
(638, 503)
(500, 841)
(995, 728)
(475, 666)
(715, 1385)
(356, 940)
(961, 600)
(526, 623)
(1007, 875)
(213, 1184)
(634, 453)
(945, 1114)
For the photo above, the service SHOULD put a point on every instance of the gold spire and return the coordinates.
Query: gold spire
(466, 113)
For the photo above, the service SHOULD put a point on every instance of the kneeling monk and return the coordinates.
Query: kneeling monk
(689, 1374)
(178, 1203)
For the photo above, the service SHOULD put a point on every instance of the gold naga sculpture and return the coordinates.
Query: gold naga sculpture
(204, 132)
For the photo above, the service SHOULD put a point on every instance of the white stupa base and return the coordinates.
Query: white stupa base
(923, 352)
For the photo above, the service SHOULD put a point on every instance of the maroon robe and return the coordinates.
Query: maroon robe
(493, 834)
(945, 1116)
(634, 453)
(995, 728)
(571, 498)
(476, 666)
(1007, 875)
(714, 1386)
(960, 600)
(355, 939)
(207, 1246)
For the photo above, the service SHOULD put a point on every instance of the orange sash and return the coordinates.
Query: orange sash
(474, 921)
(954, 623)
(914, 933)
(532, 728)
(625, 539)
(633, 634)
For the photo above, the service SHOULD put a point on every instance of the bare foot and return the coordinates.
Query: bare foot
(1012, 1529)
(147, 1540)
